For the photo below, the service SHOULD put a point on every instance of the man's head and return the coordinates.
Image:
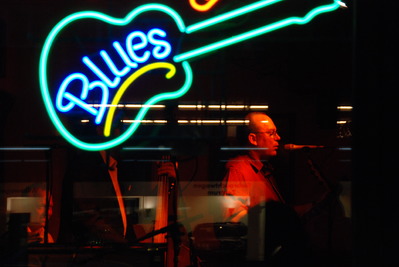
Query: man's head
(262, 135)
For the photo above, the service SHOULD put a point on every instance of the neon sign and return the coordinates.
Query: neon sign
(203, 7)
(131, 59)
(108, 75)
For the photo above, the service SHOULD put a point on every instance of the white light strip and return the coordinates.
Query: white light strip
(345, 108)
(25, 148)
(137, 106)
(146, 121)
(259, 107)
(134, 106)
(237, 121)
(106, 105)
(147, 148)
(24, 160)
(227, 107)
(344, 148)
(224, 107)
(191, 106)
(213, 122)
(207, 121)
(186, 107)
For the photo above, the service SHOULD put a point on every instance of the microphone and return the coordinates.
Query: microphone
(296, 147)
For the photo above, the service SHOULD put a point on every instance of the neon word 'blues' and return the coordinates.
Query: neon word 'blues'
(140, 47)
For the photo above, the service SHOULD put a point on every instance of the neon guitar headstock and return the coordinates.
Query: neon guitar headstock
(140, 52)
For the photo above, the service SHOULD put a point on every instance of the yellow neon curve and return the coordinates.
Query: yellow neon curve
(126, 84)
(202, 7)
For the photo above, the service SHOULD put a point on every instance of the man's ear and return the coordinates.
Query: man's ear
(252, 139)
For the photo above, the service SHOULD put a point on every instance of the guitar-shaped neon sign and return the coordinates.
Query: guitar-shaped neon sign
(146, 50)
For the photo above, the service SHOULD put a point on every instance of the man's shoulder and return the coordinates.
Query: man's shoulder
(238, 162)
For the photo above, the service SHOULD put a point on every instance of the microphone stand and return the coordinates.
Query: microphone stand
(316, 173)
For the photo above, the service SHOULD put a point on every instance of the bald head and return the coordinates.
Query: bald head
(262, 133)
(257, 121)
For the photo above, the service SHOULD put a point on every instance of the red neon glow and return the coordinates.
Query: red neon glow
(162, 210)
(113, 173)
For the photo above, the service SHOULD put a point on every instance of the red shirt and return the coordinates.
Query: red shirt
(246, 186)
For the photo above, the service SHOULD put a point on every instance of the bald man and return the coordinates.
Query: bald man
(248, 180)
(275, 234)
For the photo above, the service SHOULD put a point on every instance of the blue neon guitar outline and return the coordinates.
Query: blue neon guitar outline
(179, 58)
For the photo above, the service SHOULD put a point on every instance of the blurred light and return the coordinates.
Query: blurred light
(191, 106)
(342, 4)
(106, 105)
(24, 148)
(259, 107)
(214, 122)
(345, 108)
(146, 121)
(133, 106)
(344, 148)
(207, 121)
(226, 107)
(150, 202)
(237, 121)
(137, 106)
(147, 148)
(24, 160)
(186, 107)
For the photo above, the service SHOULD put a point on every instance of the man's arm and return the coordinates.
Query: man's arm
(236, 196)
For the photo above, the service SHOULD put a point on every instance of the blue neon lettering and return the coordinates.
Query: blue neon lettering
(162, 48)
(80, 101)
(111, 65)
(104, 99)
(61, 92)
(134, 53)
(132, 46)
(123, 55)
(100, 74)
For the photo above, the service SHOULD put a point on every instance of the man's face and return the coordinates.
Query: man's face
(265, 136)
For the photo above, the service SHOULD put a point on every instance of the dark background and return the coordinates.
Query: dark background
(347, 57)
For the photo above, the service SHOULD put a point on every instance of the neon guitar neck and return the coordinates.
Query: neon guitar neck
(111, 81)
(249, 34)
